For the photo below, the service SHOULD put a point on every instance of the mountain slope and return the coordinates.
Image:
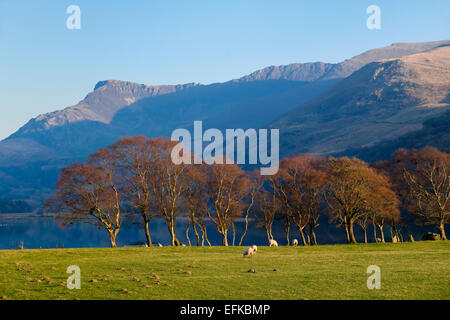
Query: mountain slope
(326, 71)
(382, 100)
(395, 50)
(435, 133)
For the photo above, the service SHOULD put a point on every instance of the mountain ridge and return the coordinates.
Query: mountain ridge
(382, 100)
(312, 71)
(101, 104)
(110, 96)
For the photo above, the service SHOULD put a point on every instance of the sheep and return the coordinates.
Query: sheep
(248, 252)
(273, 243)
(295, 243)
(255, 248)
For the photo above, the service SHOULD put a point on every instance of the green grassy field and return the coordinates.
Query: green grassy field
(419, 270)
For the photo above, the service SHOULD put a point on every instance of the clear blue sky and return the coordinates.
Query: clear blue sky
(45, 67)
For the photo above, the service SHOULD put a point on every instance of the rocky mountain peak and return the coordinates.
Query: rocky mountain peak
(108, 97)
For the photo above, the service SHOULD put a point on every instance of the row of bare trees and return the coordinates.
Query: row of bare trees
(135, 177)
(421, 179)
(348, 190)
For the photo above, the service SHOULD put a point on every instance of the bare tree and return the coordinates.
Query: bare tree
(195, 200)
(134, 159)
(227, 186)
(351, 192)
(90, 192)
(267, 206)
(300, 187)
(255, 184)
(427, 174)
(167, 183)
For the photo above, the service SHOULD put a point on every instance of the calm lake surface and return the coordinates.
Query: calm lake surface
(46, 232)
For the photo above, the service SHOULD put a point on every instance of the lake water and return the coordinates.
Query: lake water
(42, 232)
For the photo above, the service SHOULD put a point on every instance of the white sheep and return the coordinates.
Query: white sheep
(248, 252)
(273, 243)
(255, 248)
(295, 243)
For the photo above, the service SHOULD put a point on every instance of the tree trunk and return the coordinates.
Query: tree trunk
(375, 232)
(442, 231)
(365, 235)
(174, 240)
(225, 238)
(187, 234)
(312, 236)
(302, 234)
(350, 235)
(268, 235)
(287, 229)
(196, 234)
(346, 233)
(380, 227)
(245, 230)
(204, 235)
(147, 233)
(234, 232)
(112, 237)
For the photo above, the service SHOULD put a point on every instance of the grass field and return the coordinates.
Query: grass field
(419, 270)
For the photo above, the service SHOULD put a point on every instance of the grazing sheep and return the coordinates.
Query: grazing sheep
(273, 243)
(295, 243)
(255, 248)
(248, 252)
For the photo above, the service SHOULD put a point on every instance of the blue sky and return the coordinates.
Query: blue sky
(45, 67)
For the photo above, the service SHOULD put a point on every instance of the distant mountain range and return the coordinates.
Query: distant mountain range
(352, 106)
